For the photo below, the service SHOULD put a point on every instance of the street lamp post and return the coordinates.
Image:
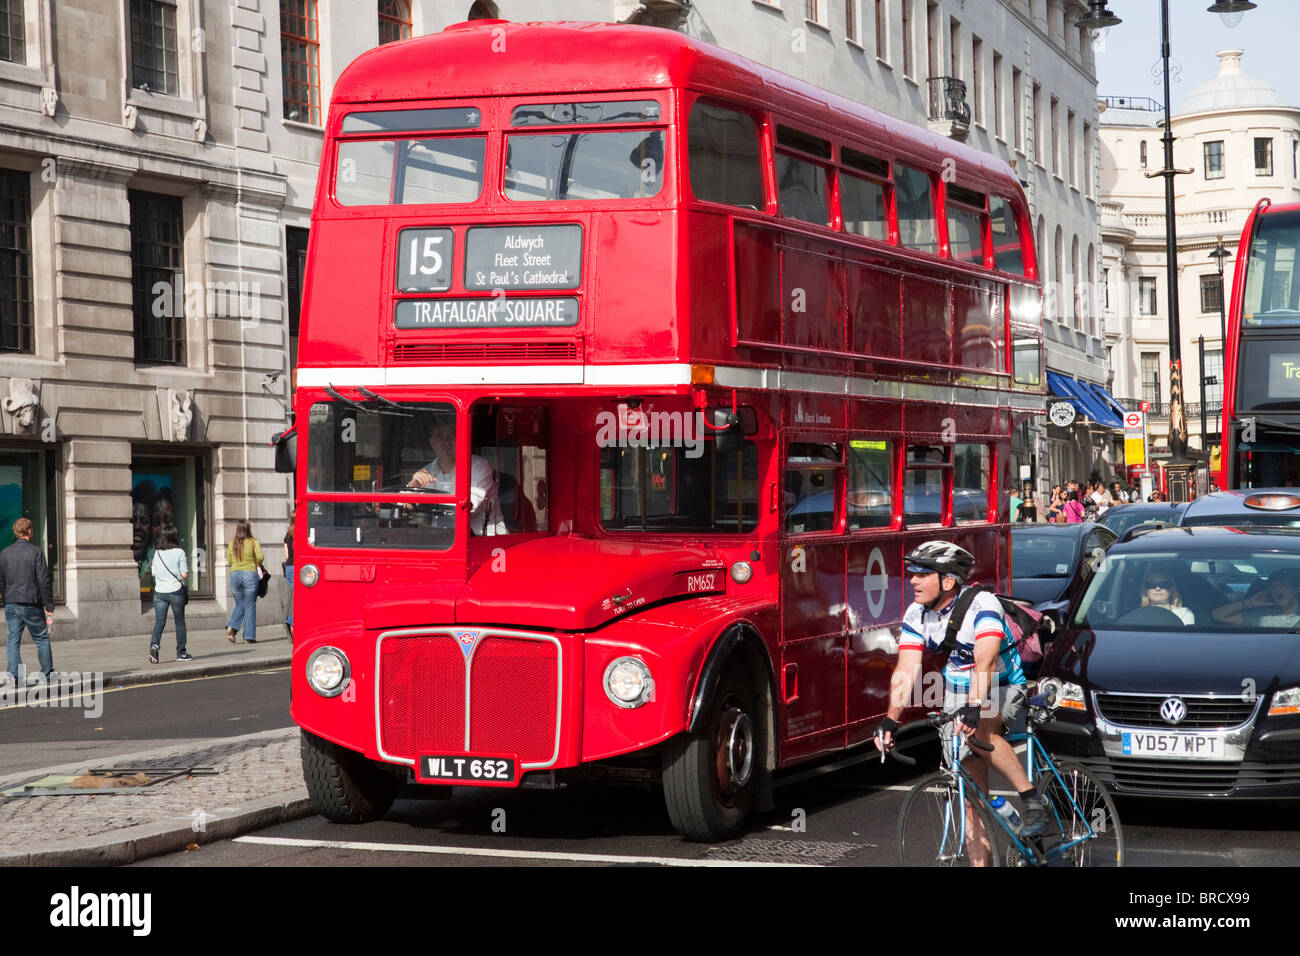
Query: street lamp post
(1218, 255)
(1099, 17)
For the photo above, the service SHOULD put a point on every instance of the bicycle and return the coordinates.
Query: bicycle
(1083, 826)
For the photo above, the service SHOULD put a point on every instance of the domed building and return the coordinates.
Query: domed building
(1241, 142)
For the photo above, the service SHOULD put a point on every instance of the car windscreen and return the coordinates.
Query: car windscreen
(1194, 588)
(1042, 555)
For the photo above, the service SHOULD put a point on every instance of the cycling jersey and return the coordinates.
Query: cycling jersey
(924, 629)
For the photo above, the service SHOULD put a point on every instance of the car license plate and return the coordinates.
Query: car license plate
(1178, 746)
(463, 768)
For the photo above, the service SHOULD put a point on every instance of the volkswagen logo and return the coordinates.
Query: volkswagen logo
(1173, 710)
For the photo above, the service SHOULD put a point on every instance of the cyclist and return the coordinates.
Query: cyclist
(983, 681)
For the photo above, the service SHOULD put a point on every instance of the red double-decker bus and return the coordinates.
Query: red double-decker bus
(1261, 364)
(629, 369)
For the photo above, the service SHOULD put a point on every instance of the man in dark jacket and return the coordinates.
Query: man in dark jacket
(29, 601)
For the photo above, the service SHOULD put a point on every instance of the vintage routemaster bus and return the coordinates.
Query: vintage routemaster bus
(629, 370)
(1261, 365)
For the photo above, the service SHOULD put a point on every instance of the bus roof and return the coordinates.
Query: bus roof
(476, 58)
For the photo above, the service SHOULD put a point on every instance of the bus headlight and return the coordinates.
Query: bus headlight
(628, 682)
(308, 575)
(328, 671)
(741, 572)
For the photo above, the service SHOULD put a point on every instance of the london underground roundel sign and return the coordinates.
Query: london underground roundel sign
(1061, 413)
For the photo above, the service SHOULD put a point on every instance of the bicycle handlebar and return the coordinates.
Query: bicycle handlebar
(936, 720)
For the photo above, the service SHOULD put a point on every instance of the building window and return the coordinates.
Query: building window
(882, 31)
(1018, 108)
(1087, 159)
(158, 279)
(1071, 163)
(1263, 156)
(977, 78)
(1151, 377)
(15, 262)
(954, 48)
(1142, 154)
(1211, 293)
(997, 95)
(909, 41)
(1105, 289)
(170, 492)
(394, 20)
(29, 488)
(812, 10)
(1054, 117)
(1214, 390)
(1040, 134)
(300, 60)
(1214, 159)
(1146, 295)
(153, 47)
(851, 19)
(295, 242)
(13, 43)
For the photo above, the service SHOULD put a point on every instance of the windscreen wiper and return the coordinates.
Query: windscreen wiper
(335, 394)
(406, 410)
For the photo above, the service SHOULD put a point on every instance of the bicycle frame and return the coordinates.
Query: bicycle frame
(1037, 757)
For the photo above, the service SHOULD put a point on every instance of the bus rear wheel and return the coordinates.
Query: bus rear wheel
(343, 785)
(709, 776)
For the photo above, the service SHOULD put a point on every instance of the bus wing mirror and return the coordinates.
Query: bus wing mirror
(730, 427)
(286, 451)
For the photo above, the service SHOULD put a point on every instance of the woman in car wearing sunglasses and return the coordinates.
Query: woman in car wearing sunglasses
(1159, 590)
(1276, 605)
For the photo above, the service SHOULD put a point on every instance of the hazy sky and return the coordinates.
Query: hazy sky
(1128, 56)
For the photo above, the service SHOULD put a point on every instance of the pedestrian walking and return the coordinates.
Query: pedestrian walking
(28, 597)
(1073, 510)
(170, 569)
(244, 557)
(288, 575)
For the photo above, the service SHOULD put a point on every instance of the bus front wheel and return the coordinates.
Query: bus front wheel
(343, 785)
(709, 776)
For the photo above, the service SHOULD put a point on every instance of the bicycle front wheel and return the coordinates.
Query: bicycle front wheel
(1087, 824)
(931, 831)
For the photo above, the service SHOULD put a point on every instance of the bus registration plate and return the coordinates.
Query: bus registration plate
(464, 768)
(1183, 746)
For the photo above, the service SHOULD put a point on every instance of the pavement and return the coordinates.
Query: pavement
(258, 780)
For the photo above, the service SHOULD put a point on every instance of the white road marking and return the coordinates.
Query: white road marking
(500, 854)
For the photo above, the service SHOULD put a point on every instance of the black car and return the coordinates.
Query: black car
(1254, 507)
(1051, 563)
(1122, 517)
(1178, 672)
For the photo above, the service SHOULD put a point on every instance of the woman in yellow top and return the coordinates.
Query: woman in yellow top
(244, 556)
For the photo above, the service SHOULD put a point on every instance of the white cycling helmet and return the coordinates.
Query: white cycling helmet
(942, 556)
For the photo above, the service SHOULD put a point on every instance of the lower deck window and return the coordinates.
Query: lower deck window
(666, 489)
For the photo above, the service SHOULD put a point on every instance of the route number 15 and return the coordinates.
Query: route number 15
(424, 260)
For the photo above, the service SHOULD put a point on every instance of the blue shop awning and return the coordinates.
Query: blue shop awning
(1092, 400)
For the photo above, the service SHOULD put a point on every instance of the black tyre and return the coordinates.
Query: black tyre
(930, 831)
(343, 785)
(709, 776)
(1078, 787)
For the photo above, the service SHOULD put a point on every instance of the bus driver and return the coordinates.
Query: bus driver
(439, 476)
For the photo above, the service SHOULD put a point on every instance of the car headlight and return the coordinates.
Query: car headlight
(1285, 702)
(628, 682)
(328, 671)
(308, 575)
(1062, 694)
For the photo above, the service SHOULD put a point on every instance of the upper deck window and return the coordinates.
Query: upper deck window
(913, 196)
(803, 186)
(581, 166)
(413, 121)
(863, 203)
(1007, 253)
(1272, 292)
(583, 114)
(966, 225)
(410, 171)
(724, 157)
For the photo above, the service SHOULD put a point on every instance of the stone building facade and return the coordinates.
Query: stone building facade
(1241, 142)
(157, 168)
